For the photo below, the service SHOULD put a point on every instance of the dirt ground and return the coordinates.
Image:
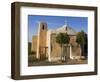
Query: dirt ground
(34, 62)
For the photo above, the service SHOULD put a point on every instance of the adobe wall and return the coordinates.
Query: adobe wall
(34, 44)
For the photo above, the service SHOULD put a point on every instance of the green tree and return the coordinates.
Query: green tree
(81, 39)
(62, 39)
(29, 48)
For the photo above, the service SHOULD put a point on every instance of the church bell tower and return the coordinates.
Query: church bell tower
(42, 37)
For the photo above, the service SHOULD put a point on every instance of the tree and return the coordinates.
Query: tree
(29, 48)
(62, 39)
(81, 39)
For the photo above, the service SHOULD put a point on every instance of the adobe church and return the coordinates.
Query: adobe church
(46, 47)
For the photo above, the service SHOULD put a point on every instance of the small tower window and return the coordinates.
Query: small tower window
(66, 28)
(43, 27)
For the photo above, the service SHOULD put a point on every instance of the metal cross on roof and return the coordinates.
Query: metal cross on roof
(66, 23)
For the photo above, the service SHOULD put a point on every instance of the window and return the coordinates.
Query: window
(43, 27)
(66, 29)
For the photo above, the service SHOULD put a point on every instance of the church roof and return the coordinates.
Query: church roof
(64, 29)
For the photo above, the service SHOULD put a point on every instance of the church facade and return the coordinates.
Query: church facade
(46, 48)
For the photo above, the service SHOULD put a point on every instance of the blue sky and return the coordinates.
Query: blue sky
(54, 22)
